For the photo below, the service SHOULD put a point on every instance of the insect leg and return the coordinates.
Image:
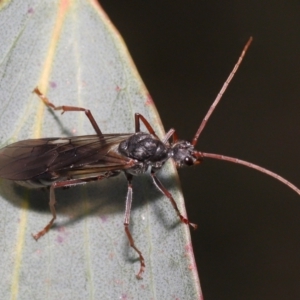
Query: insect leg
(70, 108)
(171, 133)
(222, 91)
(126, 225)
(53, 211)
(170, 197)
(52, 201)
(138, 118)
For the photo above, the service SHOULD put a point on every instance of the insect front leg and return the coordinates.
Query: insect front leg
(70, 108)
(170, 197)
(126, 226)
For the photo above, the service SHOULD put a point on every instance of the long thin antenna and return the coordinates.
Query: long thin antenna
(253, 166)
(223, 89)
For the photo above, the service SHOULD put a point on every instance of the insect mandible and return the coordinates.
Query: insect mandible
(70, 161)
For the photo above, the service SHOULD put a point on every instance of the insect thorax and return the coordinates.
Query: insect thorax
(147, 150)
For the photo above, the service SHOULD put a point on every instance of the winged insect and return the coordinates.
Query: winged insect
(64, 162)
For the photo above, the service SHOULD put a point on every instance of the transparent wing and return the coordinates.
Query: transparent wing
(27, 159)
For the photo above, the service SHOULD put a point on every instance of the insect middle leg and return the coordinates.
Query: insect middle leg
(70, 108)
(126, 226)
(138, 118)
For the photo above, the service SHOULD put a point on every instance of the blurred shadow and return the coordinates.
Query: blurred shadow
(96, 198)
(59, 121)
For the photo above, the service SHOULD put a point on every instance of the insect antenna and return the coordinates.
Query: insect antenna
(228, 158)
(252, 166)
(222, 91)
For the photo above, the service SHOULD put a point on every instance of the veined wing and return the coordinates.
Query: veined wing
(26, 159)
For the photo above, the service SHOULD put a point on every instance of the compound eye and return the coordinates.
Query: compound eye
(188, 161)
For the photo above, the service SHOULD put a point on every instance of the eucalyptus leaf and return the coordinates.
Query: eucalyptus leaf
(72, 52)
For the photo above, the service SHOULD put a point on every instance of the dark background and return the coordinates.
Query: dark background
(248, 242)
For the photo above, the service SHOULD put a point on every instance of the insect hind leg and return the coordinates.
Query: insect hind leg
(126, 226)
(52, 201)
(53, 211)
(65, 108)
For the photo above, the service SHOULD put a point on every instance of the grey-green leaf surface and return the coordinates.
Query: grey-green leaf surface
(71, 51)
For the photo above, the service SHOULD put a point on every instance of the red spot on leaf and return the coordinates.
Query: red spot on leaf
(149, 100)
(62, 229)
(103, 218)
(189, 248)
(38, 252)
(59, 239)
(118, 282)
(63, 234)
(53, 84)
